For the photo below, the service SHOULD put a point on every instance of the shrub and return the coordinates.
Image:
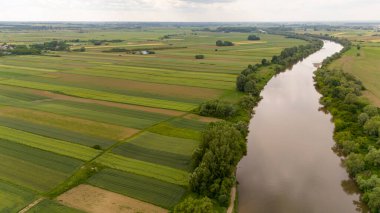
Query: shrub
(199, 57)
(98, 147)
(193, 205)
(253, 38)
(217, 109)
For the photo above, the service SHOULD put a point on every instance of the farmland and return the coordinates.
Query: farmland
(127, 117)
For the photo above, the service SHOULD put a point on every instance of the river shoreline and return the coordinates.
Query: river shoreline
(269, 185)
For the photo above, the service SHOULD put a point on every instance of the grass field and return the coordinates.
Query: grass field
(129, 114)
(14, 198)
(364, 63)
(143, 188)
(48, 206)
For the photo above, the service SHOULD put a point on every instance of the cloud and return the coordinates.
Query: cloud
(189, 10)
(207, 1)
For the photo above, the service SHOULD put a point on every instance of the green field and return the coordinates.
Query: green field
(144, 188)
(128, 114)
(14, 198)
(364, 66)
(48, 206)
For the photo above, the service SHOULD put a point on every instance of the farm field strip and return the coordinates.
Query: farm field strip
(14, 198)
(33, 168)
(97, 115)
(141, 153)
(81, 126)
(158, 149)
(163, 143)
(140, 187)
(49, 206)
(143, 168)
(48, 144)
(53, 132)
(98, 95)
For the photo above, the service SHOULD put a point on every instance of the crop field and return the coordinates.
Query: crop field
(48, 206)
(14, 198)
(143, 188)
(129, 115)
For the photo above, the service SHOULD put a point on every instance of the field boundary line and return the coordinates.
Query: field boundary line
(31, 205)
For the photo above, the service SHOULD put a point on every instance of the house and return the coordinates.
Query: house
(4, 47)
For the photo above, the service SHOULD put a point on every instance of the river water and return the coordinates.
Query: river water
(290, 166)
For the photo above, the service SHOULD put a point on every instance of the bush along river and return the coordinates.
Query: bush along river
(290, 165)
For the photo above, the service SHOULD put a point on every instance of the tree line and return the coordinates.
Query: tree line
(249, 79)
(357, 128)
(34, 49)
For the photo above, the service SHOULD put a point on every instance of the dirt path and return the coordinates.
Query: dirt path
(24, 210)
(232, 202)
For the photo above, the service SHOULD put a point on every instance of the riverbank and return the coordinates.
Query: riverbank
(213, 177)
(290, 166)
(357, 128)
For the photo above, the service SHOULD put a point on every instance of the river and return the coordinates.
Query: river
(290, 165)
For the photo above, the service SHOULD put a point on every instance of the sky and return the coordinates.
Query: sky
(190, 10)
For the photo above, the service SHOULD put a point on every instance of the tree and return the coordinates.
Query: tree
(228, 43)
(250, 87)
(363, 118)
(371, 127)
(374, 199)
(253, 38)
(264, 62)
(249, 101)
(216, 108)
(240, 82)
(193, 205)
(219, 43)
(354, 163)
(368, 184)
(199, 57)
(371, 110)
(373, 157)
(222, 146)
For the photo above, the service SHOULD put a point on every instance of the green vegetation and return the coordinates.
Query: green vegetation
(14, 198)
(140, 187)
(215, 161)
(139, 167)
(199, 57)
(48, 206)
(164, 150)
(253, 38)
(221, 43)
(190, 205)
(33, 168)
(356, 128)
(223, 143)
(217, 109)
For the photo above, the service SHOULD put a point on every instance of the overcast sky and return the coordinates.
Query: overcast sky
(190, 10)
